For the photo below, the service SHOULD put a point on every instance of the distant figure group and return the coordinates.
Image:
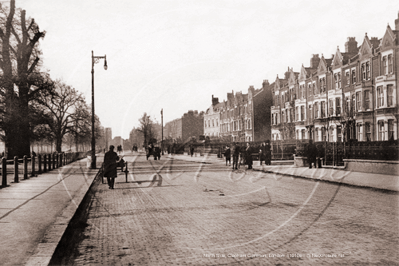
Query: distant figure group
(119, 149)
(154, 151)
(244, 155)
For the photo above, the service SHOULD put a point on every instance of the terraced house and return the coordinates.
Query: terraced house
(236, 116)
(212, 119)
(351, 96)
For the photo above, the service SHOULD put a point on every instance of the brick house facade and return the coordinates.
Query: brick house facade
(182, 129)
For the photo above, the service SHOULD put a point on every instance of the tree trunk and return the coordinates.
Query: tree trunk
(17, 137)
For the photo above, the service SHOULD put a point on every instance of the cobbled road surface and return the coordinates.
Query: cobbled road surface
(206, 214)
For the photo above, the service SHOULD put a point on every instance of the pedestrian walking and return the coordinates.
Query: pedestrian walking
(150, 150)
(248, 155)
(262, 155)
(157, 153)
(311, 154)
(236, 155)
(268, 153)
(111, 159)
(227, 155)
(191, 150)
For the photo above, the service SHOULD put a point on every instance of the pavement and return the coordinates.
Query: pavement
(35, 212)
(336, 175)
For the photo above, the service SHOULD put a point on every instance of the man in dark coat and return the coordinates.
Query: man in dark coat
(236, 155)
(248, 155)
(150, 150)
(191, 150)
(110, 166)
(157, 153)
(311, 154)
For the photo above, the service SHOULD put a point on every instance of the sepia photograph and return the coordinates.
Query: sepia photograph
(198, 132)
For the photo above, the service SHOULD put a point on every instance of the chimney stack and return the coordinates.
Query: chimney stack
(314, 61)
(351, 45)
(215, 100)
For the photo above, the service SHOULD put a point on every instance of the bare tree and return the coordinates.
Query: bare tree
(19, 80)
(81, 129)
(62, 111)
(146, 128)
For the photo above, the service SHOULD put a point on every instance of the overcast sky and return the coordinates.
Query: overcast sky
(176, 54)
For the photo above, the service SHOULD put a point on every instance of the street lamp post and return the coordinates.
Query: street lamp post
(162, 130)
(94, 60)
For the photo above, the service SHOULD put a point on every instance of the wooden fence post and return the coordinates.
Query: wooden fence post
(40, 164)
(44, 163)
(25, 162)
(4, 172)
(49, 162)
(16, 177)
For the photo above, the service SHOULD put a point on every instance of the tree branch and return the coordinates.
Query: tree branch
(33, 65)
(15, 34)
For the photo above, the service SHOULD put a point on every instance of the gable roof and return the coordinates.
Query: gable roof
(323, 65)
(278, 84)
(366, 49)
(292, 78)
(389, 40)
(306, 72)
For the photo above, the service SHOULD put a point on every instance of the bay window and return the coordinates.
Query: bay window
(353, 76)
(347, 77)
(363, 68)
(384, 65)
(316, 110)
(323, 109)
(323, 134)
(367, 129)
(380, 97)
(366, 100)
(337, 106)
(368, 71)
(390, 129)
(330, 107)
(381, 130)
(358, 101)
(390, 95)
(390, 64)
(359, 130)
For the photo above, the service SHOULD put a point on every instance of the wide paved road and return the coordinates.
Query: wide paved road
(205, 214)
